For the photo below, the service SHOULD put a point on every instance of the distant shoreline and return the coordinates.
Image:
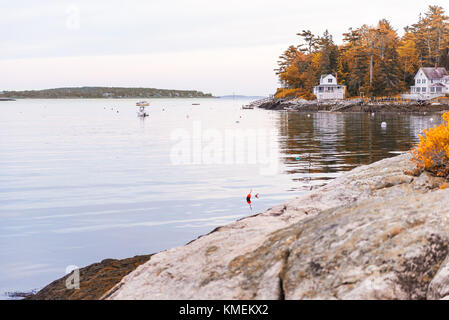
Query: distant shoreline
(103, 93)
(99, 98)
(124, 98)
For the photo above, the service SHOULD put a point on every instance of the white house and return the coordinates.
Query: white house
(429, 83)
(329, 89)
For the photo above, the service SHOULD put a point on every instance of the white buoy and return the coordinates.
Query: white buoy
(383, 124)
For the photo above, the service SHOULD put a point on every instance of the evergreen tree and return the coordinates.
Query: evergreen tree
(388, 79)
(329, 54)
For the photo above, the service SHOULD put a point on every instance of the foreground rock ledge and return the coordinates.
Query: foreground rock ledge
(373, 233)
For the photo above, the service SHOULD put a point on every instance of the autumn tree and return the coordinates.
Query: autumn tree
(372, 59)
(408, 58)
(430, 34)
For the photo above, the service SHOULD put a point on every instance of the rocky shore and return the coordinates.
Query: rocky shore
(95, 280)
(349, 106)
(376, 232)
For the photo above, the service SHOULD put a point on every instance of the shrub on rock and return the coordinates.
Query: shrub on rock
(432, 152)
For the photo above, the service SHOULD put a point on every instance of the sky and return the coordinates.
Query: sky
(219, 47)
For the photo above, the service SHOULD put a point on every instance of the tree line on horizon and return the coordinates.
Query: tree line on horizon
(104, 92)
(373, 60)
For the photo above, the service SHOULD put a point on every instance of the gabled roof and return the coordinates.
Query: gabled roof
(325, 75)
(434, 73)
(438, 85)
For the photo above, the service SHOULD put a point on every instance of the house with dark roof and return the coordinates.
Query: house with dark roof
(329, 89)
(429, 83)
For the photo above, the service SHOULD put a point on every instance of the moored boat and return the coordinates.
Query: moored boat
(142, 112)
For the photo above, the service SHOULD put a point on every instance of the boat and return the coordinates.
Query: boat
(142, 112)
(142, 104)
(247, 107)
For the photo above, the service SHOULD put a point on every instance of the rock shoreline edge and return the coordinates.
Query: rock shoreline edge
(348, 106)
(375, 232)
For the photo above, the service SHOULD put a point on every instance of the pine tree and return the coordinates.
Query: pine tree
(388, 78)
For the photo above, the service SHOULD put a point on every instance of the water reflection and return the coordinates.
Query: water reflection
(317, 147)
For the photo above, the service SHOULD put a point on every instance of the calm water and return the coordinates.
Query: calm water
(85, 180)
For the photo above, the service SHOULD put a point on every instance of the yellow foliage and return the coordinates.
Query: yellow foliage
(408, 54)
(282, 93)
(432, 152)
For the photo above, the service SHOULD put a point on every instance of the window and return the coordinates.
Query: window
(423, 80)
(439, 89)
(424, 89)
(417, 89)
(418, 81)
(432, 89)
(329, 80)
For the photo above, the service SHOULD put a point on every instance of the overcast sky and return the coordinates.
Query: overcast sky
(219, 47)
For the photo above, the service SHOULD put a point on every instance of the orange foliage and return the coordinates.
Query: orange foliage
(432, 152)
(282, 93)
